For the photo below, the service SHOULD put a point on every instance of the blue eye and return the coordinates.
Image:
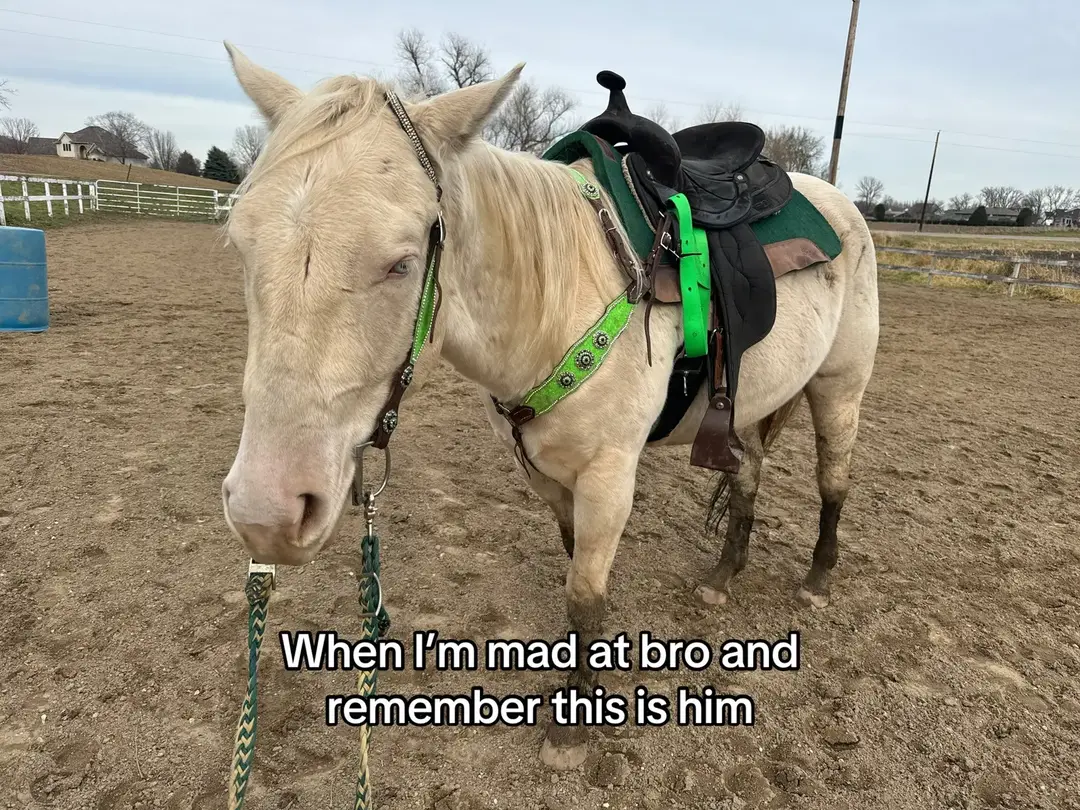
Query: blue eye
(401, 268)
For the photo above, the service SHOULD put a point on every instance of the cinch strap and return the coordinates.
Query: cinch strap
(695, 282)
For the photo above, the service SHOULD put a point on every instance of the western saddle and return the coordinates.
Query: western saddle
(699, 190)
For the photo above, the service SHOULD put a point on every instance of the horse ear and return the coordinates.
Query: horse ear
(452, 120)
(272, 94)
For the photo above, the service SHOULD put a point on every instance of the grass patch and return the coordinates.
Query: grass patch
(153, 200)
(1000, 257)
(71, 169)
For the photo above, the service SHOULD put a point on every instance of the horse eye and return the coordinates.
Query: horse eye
(401, 268)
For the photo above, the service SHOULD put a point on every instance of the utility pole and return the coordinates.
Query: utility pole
(839, 129)
(929, 180)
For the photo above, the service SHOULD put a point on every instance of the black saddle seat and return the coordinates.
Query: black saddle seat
(718, 166)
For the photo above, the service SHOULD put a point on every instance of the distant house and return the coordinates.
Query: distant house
(1066, 218)
(1002, 216)
(95, 143)
(34, 146)
(88, 143)
(956, 216)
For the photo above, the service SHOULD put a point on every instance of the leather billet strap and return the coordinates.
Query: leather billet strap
(429, 296)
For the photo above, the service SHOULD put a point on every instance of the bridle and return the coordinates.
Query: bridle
(423, 331)
(261, 577)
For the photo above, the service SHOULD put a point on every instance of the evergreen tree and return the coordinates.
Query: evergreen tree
(978, 216)
(219, 166)
(186, 164)
(879, 212)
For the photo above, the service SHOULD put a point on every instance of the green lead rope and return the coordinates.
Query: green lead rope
(259, 585)
(375, 623)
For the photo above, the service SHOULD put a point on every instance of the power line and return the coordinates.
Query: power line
(138, 48)
(584, 92)
(187, 36)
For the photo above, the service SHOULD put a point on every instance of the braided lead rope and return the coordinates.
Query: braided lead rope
(375, 623)
(258, 587)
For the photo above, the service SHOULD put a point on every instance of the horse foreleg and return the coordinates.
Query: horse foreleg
(834, 408)
(602, 499)
(561, 501)
(742, 491)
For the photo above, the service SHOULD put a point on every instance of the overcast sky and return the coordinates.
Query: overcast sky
(998, 77)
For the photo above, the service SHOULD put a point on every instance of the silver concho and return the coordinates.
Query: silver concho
(406, 376)
(590, 191)
(389, 421)
(601, 340)
(584, 359)
(566, 379)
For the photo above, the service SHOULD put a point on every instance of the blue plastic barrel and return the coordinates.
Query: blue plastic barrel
(24, 288)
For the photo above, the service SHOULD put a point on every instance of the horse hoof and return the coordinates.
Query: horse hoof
(711, 596)
(808, 598)
(563, 759)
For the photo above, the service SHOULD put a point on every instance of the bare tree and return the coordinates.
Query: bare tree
(869, 189)
(161, 146)
(19, 131)
(1045, 201)
(1001, 197)
(129, 131)
(6, 92)
(796, 149)
(714, 112)
(248, 143)
(961, 202)
(465, 62)
(531, 119)
(659, 113)
(528, 121)
(420, 72)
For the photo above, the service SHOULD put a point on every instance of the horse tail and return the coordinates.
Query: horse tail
(770, 428)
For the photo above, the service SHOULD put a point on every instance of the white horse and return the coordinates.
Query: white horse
(333, 226)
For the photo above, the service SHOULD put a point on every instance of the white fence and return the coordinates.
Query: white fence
(169, 201)
(84, 199)
(109, 195)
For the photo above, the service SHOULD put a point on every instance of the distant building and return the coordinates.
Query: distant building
(1065, 218)
(95, 143)
(88, 143)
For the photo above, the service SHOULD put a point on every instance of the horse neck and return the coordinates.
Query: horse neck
(527, 270)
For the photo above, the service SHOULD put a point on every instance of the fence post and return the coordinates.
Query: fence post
(3, 205)
(138, 202)
(1015, 275)
(26, 199)
(178, 201)
(63, 188)
(94, 197)
(78, 187)
(48, 199)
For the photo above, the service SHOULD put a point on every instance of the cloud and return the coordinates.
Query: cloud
(973, 68)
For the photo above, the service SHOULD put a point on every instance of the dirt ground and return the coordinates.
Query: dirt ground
(944, 674)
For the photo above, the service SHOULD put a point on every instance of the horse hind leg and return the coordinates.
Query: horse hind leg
(736, 493)
(834, 408)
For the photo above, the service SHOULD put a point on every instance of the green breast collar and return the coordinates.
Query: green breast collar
(587, 355)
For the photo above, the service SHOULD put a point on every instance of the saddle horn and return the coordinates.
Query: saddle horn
(617, 124)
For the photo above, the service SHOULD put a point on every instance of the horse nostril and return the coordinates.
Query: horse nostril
(311, 518)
